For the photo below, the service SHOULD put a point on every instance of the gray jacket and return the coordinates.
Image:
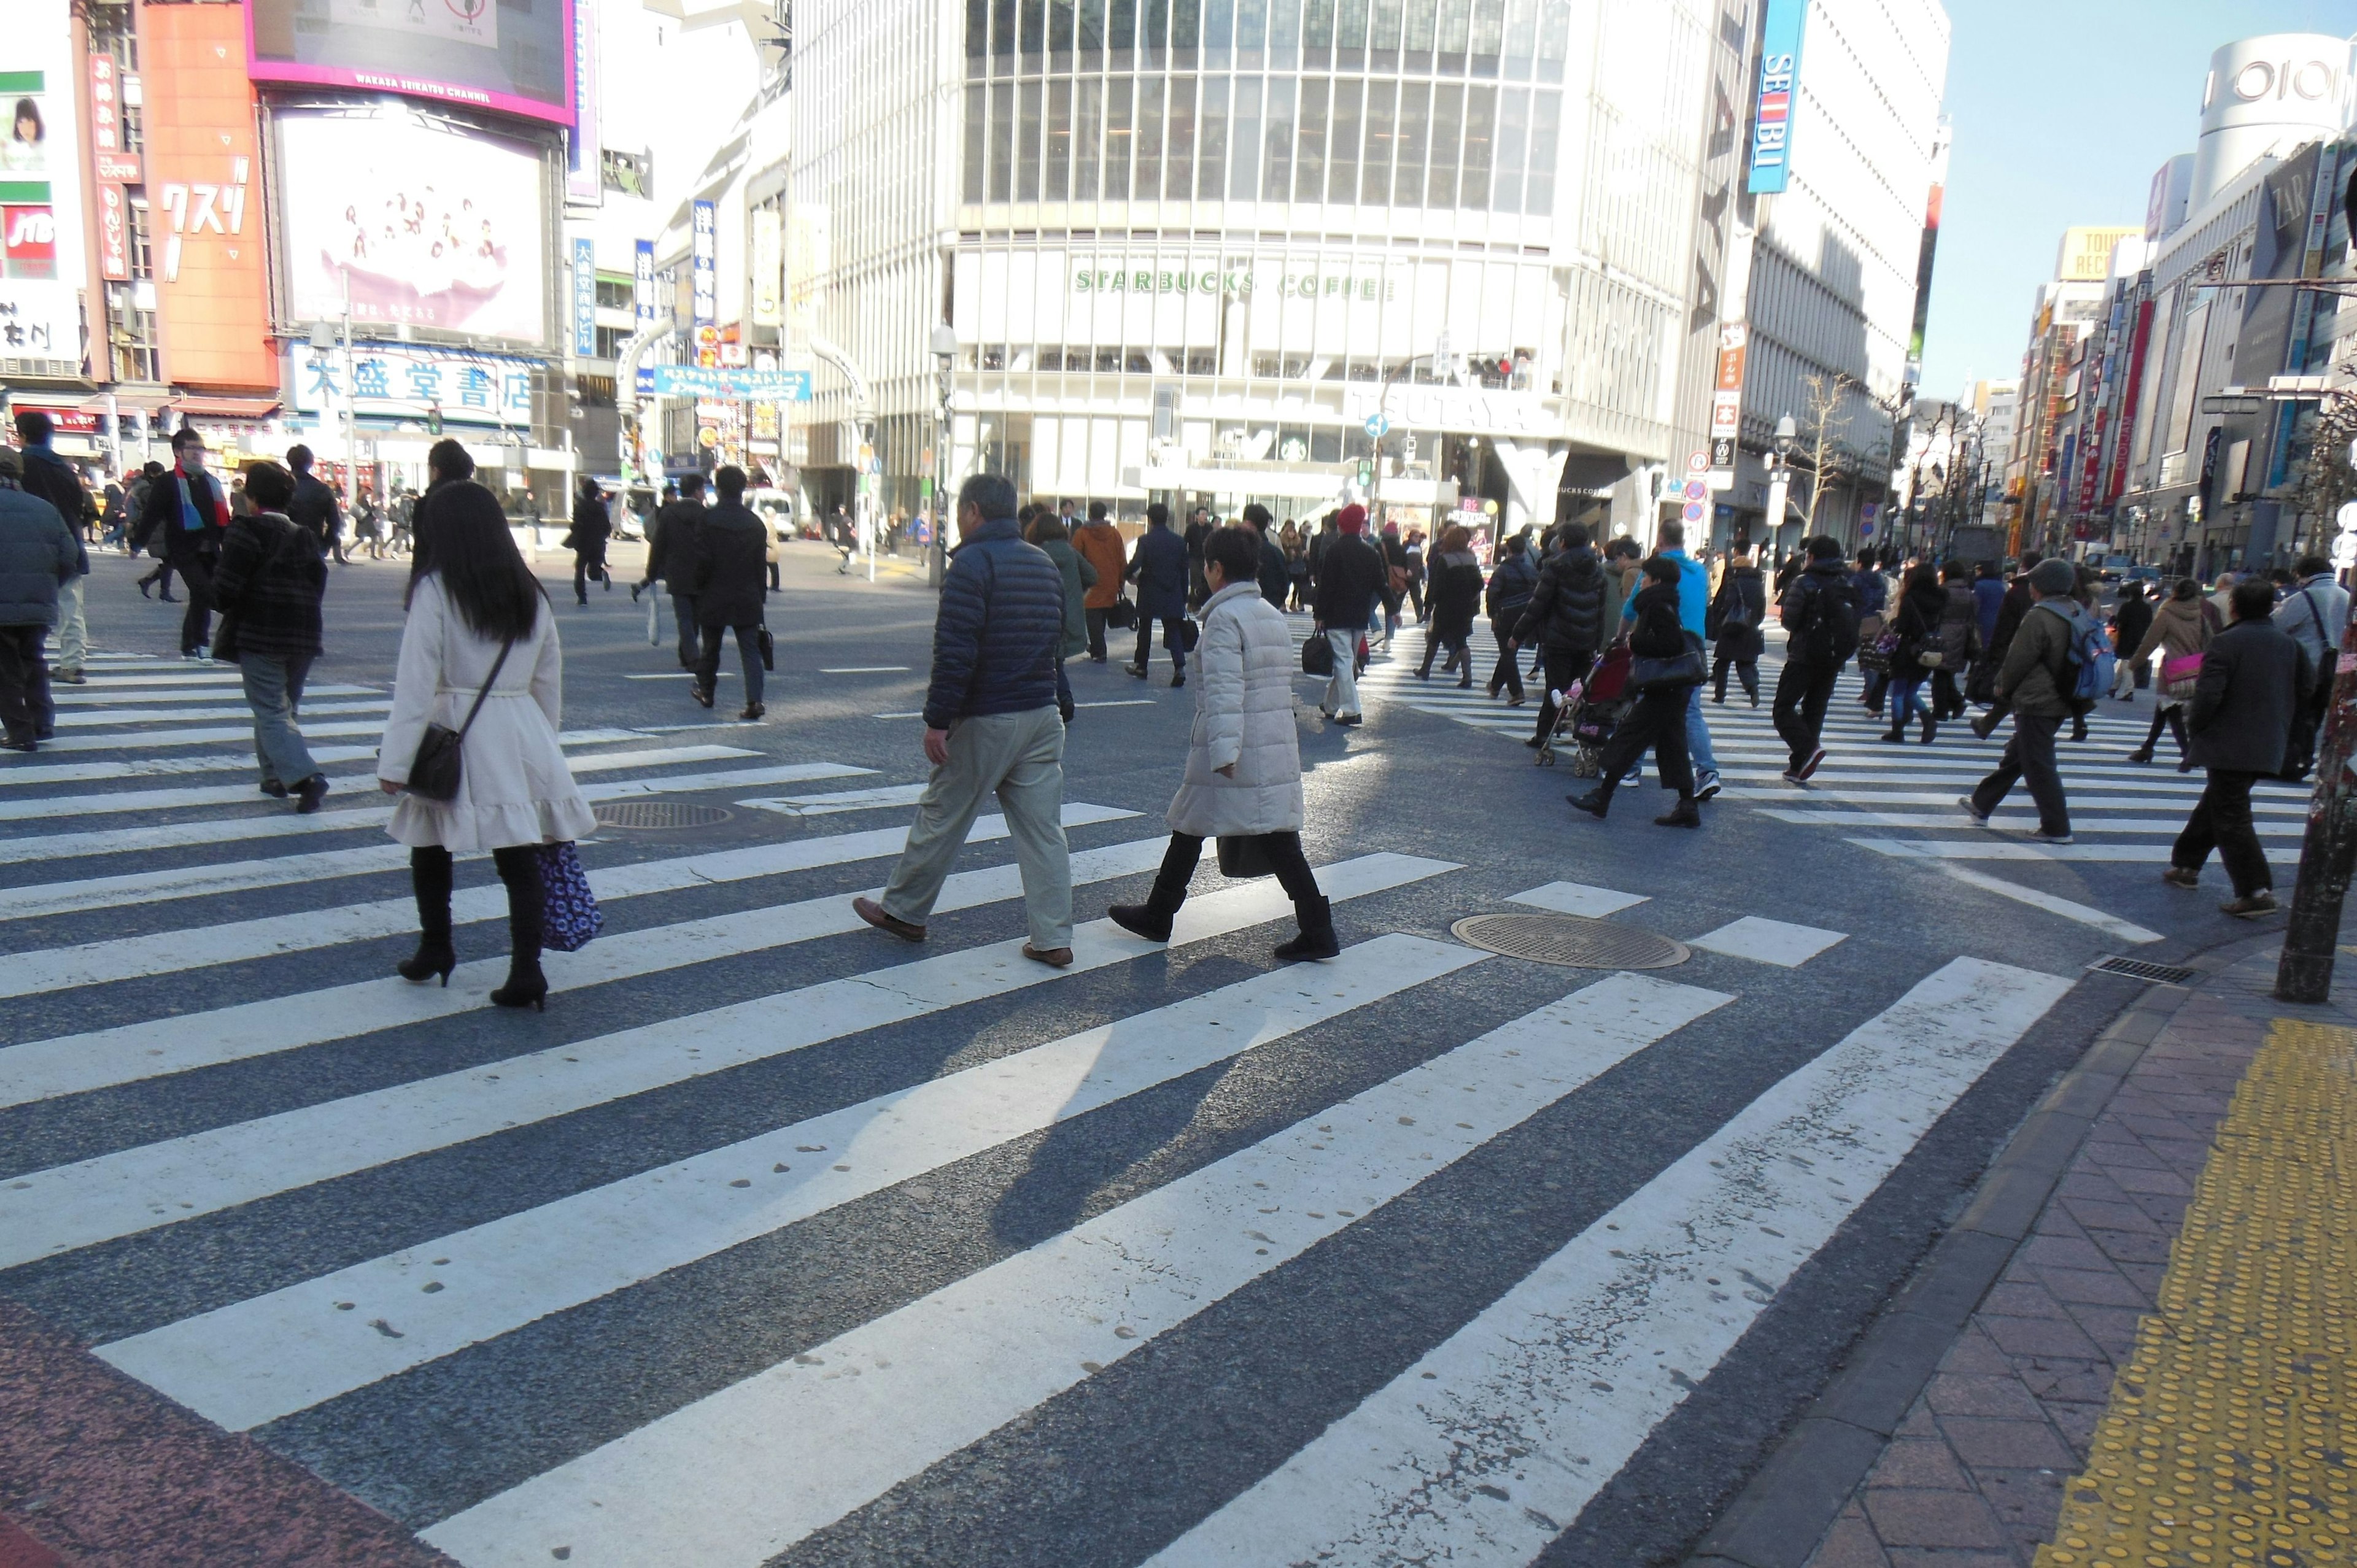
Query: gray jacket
(36, 554)
(2315, 614)
(2254, 679)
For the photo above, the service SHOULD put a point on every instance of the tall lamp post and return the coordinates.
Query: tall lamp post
(945, 348)
(1779, 481)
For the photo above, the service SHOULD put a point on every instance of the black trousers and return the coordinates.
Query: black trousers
(430, 874)
(1096, 619)
(1947, 702)
(690, 649)
(2030, 758)
(1657, 724)
(748, 653)
(1564, 665)
(1802, 693)
(1185, 851)
(1509, 672)
(1170, 642)
(25, 707)
(196, 621)
(585, 568)
(2221, 821)
(2173, 716)
(1746, 670)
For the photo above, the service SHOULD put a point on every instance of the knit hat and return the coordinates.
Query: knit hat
(2054, 577)
(1352, 520)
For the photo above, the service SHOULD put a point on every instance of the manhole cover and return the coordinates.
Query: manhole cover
(659, 814)
(2138, 969)
(1574, 941)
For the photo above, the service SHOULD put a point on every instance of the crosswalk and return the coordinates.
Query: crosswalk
(320, 1197)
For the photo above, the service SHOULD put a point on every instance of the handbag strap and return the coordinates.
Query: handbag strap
(488, 681)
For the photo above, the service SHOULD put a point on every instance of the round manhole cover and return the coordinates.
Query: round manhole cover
(659, 814)
(1574, 941)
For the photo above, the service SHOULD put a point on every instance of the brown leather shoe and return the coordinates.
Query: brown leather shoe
(869, 910)
(1054, 958)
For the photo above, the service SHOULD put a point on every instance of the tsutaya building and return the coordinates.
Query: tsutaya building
(1201, 249)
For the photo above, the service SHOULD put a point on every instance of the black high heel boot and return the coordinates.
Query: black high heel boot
(429, 879)
(1151, 919)
(526, 986)
(1316, 940)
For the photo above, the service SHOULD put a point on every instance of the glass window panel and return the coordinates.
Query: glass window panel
(1383, 34)
(1350, 33)
(1276, 177)
(1027, 158)
(977, 139)
(1219, 32)
(1555, 37)
(1060, 141)
(1383, 129)
(1186, 32)
(1317, 32)
(1310, 142)
(1158, 32)
(1415, 129)
(1252, 26)
(1059, 31)
(1456, 20)
(1522, 38)
(1212, 168)
(977, 33)
(1342, 147)
(1178, 140)
(1244, 141)
(1088, 124)
(1448, 129)
(1514, 135)
(1489, 36)
(1481, 138)
(1422, 18)
(1002, 142)
(1547, 126)
(1032, 41)
(1148, 183)
(1092, 34)
(1284, 32)
(1002, 35)
(1120, 32)
(1119, 138)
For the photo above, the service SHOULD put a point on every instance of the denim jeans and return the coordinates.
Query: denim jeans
(1698, 750)
(1906, 700)
(273, 689)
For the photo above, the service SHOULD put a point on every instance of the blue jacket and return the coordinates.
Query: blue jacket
(999, 641)
(1158, 567)
(1988, 597)
(1693, 595)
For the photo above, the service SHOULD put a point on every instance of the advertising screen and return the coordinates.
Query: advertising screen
(514, 56)
(41, 215)
(437, 228)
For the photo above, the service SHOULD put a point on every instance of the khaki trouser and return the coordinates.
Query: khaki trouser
(1343, 685)
(73, 631)
(1020, 758)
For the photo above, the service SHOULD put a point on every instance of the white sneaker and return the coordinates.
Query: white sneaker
(1979, 817)
(2050, 838)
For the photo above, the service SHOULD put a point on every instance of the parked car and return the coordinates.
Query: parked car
(777, 508)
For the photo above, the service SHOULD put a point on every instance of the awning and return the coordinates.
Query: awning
(224, 407)
(146, 402)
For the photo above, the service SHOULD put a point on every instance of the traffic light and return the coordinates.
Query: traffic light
(1366, 472)
(434, 419)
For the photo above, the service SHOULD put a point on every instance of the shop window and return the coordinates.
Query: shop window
(1088, 127)
(1268, 365)
(1212, 168)
(1415, 134)
(1522, 38)
(1051, 358)
(1285, 34)
(1026, 160)
(994, 356)
(1108, 361)
(1138, 363)
(1202, 362)
(1060, 141)
(1244, 141)
(1178, 146)
(1538, 191)
(1325, 445)
(1513, 139)
(1148, 183)
(1448, 132)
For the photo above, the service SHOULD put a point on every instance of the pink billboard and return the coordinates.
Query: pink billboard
(513, 57)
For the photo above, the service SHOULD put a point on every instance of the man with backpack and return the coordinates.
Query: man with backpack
(2058, 651)
(1819, 613)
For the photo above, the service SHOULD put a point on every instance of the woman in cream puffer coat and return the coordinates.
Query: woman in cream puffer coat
(1243, 780)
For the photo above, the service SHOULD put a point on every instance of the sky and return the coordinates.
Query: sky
(2062, 110)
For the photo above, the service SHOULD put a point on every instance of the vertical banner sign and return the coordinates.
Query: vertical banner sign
(1726, 403)
(114, 235)
(1779, 77)
(585, 184)
(109, 158)
(768, 267)
(706, 258)
(585, 299)
(642, 287)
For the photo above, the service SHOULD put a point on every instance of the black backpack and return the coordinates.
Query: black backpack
(1828, 633)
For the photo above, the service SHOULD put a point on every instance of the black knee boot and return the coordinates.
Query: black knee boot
(526, 987)
(429, 878)
(1316, 940)
(1151, 919)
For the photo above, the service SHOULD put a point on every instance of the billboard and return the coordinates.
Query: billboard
(513, 56)
(412, 380)
(40, 211)
(212, 285)
(437, 227)
(1780, 88)
(2086, 253)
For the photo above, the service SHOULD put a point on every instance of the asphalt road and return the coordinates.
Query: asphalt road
(777, 1239)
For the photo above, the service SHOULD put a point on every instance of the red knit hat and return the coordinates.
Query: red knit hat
(1352, 519)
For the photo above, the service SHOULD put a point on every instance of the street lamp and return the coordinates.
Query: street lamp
(945, 348)
(1779, 481)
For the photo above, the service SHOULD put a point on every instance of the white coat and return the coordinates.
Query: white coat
(1243, 715)
(513, 787)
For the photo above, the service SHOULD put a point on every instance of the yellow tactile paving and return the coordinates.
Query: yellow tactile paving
(2225, 1441)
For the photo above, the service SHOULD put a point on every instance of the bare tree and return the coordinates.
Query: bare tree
(2325, 479)
(1826, 425)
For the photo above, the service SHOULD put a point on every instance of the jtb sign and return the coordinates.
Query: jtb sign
(1779, 78)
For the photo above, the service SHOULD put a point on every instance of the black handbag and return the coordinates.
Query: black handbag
(1316, 655)
(1190, 632)
(1243, 857)
(433, 771)
(1122, 614)
(1686, 668)
(769, 651)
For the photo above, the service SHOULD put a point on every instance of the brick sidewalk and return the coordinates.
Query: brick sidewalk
(1973, 1476)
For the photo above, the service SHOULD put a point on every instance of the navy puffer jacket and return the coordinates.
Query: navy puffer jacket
(1158, 567)
(999, 641)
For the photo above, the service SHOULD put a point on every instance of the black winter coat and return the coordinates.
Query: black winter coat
(1455, 594)
(1739, 613)
(671, 558)
(2134, 619)
(1567, 609)
(591, 529)
(1510, 587)
(2254, 680)
(1276, 574)
(999, 639)
(1918, 626)
(732, 566)
(161, 515)
(1659, 633)
(1349, 579)
(314, 507)
(1159, 568)
(270, 578)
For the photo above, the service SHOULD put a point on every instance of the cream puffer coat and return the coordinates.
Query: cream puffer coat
(513, 784)
(1243, 715)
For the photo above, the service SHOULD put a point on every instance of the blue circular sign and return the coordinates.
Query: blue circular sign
(1377, 425)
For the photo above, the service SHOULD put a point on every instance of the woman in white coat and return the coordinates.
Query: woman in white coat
(1243, 761)
(471, 596)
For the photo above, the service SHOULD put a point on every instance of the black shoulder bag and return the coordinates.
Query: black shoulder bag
(433, 771)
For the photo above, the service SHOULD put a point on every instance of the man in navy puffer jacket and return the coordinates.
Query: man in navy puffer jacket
(995, 719)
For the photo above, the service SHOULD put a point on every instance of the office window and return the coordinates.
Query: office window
(1522, 38)
(1350, 34)
(1092, 35)
(1060, 19)
(1002, 141)
(1157, 32)
(1414, 133)
(1186, 33)
(1481, 137)
(1178, 140)
(1088, 125)
(1002, 37)
(1383, 36)
(1309, 138)
(1513, 139)
(1555, 37)
(1219, 33)
(1382, 136)
(1121, 34)
(1448, 131)
(1119, 137)
(1456, 19)
(1489, 36)
(977, 36)
(1150, 96)
(977, 138)
(1276, 177)
(1285, 33)
(1244, 141)
(1423, 17)
(1317, 32)
(1031, 24)
(1212, 168)
(1547, 116)
(1059, 140)
(1342, 145)
(1027, 163)
(1252, 33)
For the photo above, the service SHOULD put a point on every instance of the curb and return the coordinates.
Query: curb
(1782, 1513)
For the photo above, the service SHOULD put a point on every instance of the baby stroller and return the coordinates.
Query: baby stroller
(1587, 712)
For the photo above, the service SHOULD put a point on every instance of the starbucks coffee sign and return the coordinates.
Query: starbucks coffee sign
(1233, 283)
